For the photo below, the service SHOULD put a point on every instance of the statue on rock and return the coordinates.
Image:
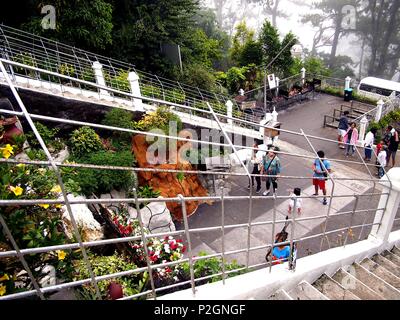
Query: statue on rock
(169, 184)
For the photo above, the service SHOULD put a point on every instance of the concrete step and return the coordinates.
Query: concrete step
(374, 282)
(387, 264)
(352, 284)
(332, 289)
(280, 295)
(381, 272)
(391, 257)
(305, 291)
(395, 251)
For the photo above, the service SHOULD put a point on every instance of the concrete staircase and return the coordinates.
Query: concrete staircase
(375, 278)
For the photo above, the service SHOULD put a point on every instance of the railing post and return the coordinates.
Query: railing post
(303, 75)
(363, 129)
(390, 200)
(277, 85)
(133, 79)
(98, 73)
(229, 110)
(274, 115)
(347, 83)
(378, 114)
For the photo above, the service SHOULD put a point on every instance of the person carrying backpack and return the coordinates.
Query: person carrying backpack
(320, 175)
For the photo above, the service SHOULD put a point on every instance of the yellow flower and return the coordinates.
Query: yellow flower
(2, 290)
(58, 206)
(5, 277)
(7, 151)
(61, 254)
(44, 205)
(17, 190)
(56, 189)
(21, 165)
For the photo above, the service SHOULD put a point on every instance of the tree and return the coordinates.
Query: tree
(85, 24)
(273, 47)
(242, 36)
(329, 20)
(379, 28)
(271, 8)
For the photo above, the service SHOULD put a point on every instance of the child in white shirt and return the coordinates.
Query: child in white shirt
(294, 197)
(382, 161)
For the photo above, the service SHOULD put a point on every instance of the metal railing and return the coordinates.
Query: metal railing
(30, 49)
(152, 290)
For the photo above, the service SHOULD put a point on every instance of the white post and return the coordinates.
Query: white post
(229, 109)
(274, 116)
(363, 129)
(386, 216)
(277, 80)
(303, 75)
(98, 73)
(347, 83)
(133, 79)
(241, 92)
(378, 114)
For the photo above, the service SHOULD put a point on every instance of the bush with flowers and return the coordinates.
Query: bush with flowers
(31, 226)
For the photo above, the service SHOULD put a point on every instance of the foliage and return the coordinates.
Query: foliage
(160, 119)
(242, 36)
(49, 137)
(210, 266)
(197, 75)
(103, 265)
(104, 180)
(84, 141)
(120, 118)
(36, 154)
(118, 81)
(85, 24)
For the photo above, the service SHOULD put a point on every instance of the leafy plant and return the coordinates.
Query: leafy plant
(85, 141)
(122, 119)
(36, 154)
(103, 265)
(47, 135)
(104, 180)
(160, 119)
(145, 192)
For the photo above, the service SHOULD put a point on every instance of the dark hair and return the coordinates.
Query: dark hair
(297, 191)
(282, 236)
(390, 127)
(346, 113)
(374, 130)
(321, 154)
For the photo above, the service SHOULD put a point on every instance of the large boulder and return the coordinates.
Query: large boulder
(155, 216)
(90, 229)
(168, 183)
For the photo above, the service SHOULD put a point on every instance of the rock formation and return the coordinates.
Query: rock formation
(167, 183)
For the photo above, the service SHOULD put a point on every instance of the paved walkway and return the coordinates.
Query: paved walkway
(309, 117)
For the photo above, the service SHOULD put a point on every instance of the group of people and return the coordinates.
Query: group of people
(386, 149)
(266, 166)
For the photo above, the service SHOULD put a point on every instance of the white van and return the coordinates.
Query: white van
(377, 88)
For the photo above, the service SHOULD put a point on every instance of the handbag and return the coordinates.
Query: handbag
(266, 170)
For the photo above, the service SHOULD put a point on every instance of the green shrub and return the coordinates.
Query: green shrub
(36, 154)
(47, 135)
(210, 266)
(144, 192)
(160, 119)
(84, 141)
(148, 90)
(103, 180)
(103, 265)
(122, 119)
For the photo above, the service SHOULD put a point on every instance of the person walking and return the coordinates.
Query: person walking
(295, 201)
(393, 146)
(256, 162)
(368, 144)
(382, 156)
(351, 139)
(271, 168)
(321, 167)
(342, 128)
